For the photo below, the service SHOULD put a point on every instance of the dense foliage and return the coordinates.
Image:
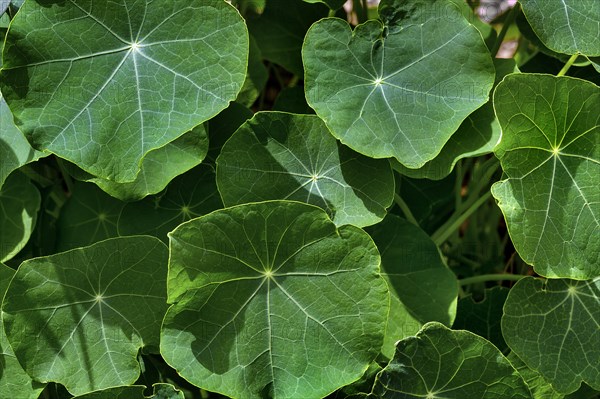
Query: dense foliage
(299, 199)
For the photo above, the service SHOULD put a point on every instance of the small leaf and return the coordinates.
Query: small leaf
(79, 318)
(19, 205)
(272, 300)
(142, 75)
(284, 156)
(161, 391)
(550, 154)
(553, 327)
(380, 88)
(566, 26)
(13, 378)
(442, 363)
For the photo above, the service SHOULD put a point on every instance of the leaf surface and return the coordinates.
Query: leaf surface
(77, 319)
(553, 327)
(380, 89)
(161, 391)
(272, 300)
(550, 154)
(142, 75)
(283, 156)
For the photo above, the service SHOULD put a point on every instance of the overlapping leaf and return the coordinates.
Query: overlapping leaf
(80, 317)
(553, 327)
(161, 391)
(550, 154)
(441, 363)
(380, 88)
(272, 300)
(283, 156)
(140, 76)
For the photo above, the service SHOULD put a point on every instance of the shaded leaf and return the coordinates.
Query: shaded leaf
(256, 78)
(161, 391)
(332, 4)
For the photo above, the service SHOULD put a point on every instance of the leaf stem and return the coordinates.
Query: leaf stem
(405, 209)
(446, 230)
(510, 19)
(491, 277)
(568, 65)
(331, 13)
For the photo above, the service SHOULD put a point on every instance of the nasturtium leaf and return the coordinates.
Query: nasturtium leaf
(442, 363)
(538, 386)
(13, 378)
(79, 318)
(256, 78)
(280, 31)
(187, 197)
(143, 74)
(478, 135)
(483, 317)
(550, 154)
(380, 88)
(90, 215)
(4, 5)
(159, 167)
(161, 391)
(285, 156)
(291, 99)
(222, 127)
(553, 327)
(595, 63)
(15, 151)
(419, 281)
(19, 205)
(332, 4)
(272, 300)
(566, 26)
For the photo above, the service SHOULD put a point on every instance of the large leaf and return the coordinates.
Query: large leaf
(550, 154)
(441, 363)
(272, 300)
(553, 327)
(284, 156)
(13, 378)
(143, 74)
(19, 205)
(380, 88)
(422, 288)
(80, 317)
(159, 167)
(161, 391)
(566, 26)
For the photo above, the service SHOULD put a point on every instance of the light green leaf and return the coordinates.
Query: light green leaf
(332, 4)
(142, 75)
(280, 31)
(12, 377)
(19, 205)
(79, 318)
(478, 135)
(257, 76)
(89, 216)
(272, 300)
(566, 26)
(380, 88)
(161, 391)
(159, 167)
(187, 197)
(540, 388)
(284, 156)
(442, 363)
(422, 288)
(550, 154)
(553, 326)
(15, 151)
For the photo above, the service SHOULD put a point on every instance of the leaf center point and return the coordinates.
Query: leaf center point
(378, 81)
(99, 298)
(556, 151)
(268, 273)
(135, 46)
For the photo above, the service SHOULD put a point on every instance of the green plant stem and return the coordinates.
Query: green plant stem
(405, 209)
(331, 13)
(568, 65)
(491, 277)
(510, 19)
(444, 232)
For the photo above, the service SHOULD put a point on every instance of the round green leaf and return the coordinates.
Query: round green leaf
(13, 378)
(550, 154)
(566, 26)
(79, 318)
(272, 300)
(442, 363)
(380, 88)
(143, 74)
(422, 288)
(161, 391)
(284, 156)
(19, 205)
(553, 326)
